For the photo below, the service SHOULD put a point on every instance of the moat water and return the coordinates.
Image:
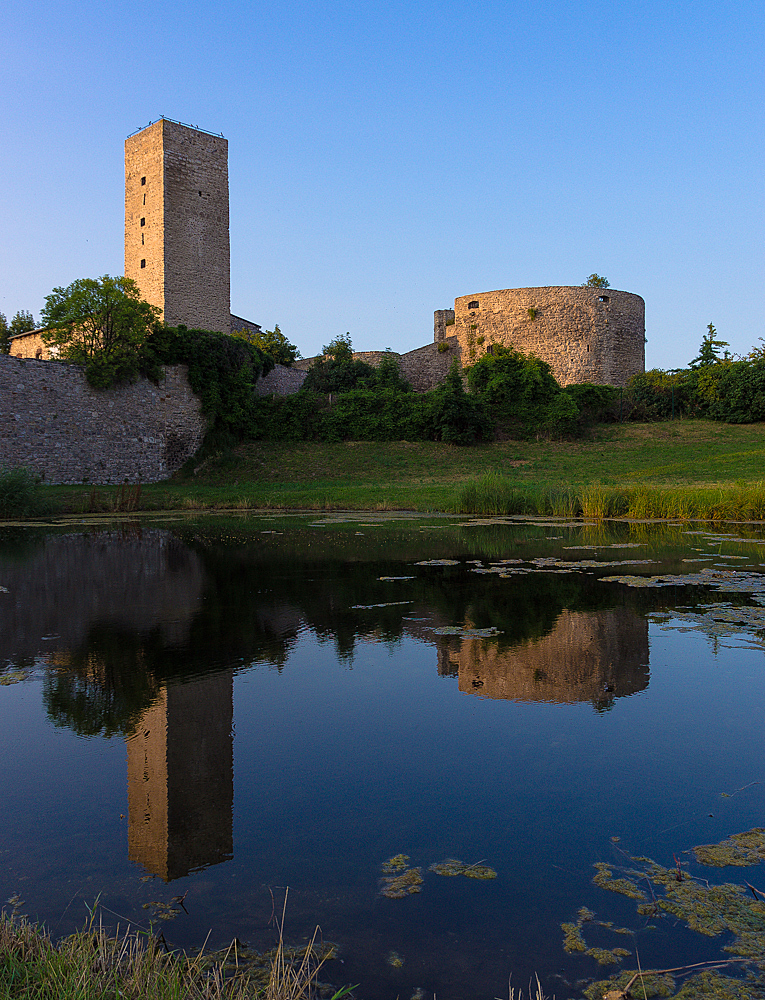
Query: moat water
(224, 707)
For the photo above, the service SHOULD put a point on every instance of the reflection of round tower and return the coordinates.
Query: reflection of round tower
(176, 223)
(592, 656)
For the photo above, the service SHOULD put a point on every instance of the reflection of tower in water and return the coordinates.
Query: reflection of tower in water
(180, 764)
(592, 656)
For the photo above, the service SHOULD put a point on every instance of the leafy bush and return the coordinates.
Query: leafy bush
(450, 414)
(520, 394)
(595, 402)
(656, 395)
(223, 371)
(734, 391)
(338, 375)
(19, 493)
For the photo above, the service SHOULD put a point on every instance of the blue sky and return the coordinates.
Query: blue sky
(387, 157)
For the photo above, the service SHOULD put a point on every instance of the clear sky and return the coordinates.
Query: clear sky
(385, 157)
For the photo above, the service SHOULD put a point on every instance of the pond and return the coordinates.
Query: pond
(214, 709)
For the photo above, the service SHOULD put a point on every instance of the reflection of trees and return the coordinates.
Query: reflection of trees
(229, 597)
(102, 688)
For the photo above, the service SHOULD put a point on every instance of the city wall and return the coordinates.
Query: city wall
(585, 334)
(55, 424)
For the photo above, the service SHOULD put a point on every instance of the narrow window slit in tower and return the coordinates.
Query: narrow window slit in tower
(141, 239)
(144, 199)
(143, 181)
(143, 263)
(143, 222)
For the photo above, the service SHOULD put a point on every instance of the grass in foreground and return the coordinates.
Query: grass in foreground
(92, 965)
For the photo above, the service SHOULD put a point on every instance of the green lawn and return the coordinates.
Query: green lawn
(429, 476)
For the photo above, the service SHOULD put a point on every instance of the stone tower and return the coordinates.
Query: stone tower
(176, 223)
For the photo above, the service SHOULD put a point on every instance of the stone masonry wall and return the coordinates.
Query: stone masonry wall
(426, 367)
(55, 424)
(584, 334)
(280, 381)
(176, 223)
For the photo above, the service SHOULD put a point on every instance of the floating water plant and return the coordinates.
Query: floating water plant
(396, 864)
(741, 849)
(395, 960)
(405, 884)
(438, 562)
(452, 867)
(735, 910)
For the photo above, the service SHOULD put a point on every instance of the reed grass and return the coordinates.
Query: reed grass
(94, 965)
(495, 494)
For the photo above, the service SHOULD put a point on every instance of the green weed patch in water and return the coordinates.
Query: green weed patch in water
(741, 849)
(707, 909)
(396, 864)
(406, 883)
(605, 880)
(452, 867)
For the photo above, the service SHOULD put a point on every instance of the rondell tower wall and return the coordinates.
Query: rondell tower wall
(177, 223)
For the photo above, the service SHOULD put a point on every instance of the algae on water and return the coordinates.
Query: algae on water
(733, 910)
(451, 867)
(740, 849)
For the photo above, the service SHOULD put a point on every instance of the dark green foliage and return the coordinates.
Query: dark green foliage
(388, 375)
(223, 371)
(340, 374)
(657, 395)
(5, 336)
(22, 322)
(595, 402)
(19, 493)
(733, 391)
(385, 411)
(453, 416)
(521, 395)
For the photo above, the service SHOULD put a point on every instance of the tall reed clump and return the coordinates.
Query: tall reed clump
(19, 493)
(92, 965)
(495, 494)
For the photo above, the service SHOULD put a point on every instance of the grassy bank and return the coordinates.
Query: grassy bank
(690, 468)
(94, 965)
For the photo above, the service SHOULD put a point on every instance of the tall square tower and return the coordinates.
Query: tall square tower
(176, 223)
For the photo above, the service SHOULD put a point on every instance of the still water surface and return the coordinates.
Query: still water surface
(226, 707)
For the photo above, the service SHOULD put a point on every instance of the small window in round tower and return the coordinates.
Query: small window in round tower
(473, 304)
(602, 298)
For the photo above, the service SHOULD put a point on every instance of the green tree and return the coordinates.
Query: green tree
(339, 349)
(22, 322)
(596, 281)
(5, 336)
(272, 343)
(709, 350)
(101, 323)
